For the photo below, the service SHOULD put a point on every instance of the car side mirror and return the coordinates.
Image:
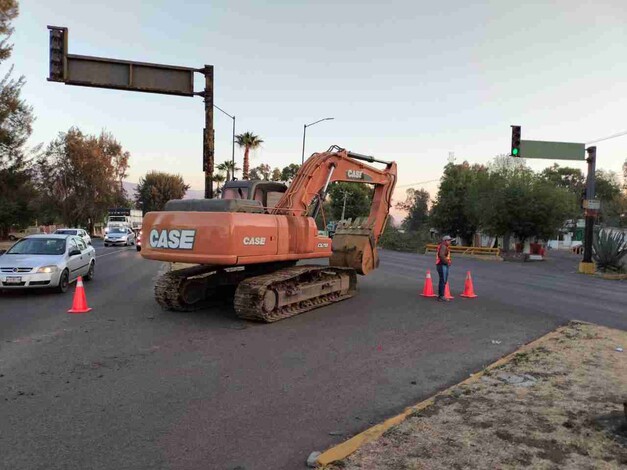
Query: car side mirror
(75, 252)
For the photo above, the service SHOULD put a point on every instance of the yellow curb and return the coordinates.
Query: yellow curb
(611, 277)
(587, 268)
(343, 450)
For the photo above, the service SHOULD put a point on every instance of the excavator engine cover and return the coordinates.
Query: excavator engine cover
(354, 247)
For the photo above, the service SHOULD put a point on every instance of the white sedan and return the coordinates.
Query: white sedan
(79, 232)
(44, 261)
(119, 236)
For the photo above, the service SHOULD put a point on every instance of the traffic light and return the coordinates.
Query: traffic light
(58, 54)
(515, 152)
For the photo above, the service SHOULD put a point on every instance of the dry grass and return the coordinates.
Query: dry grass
(572, 417)
(5, 245)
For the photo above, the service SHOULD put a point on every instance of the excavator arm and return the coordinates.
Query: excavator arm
(354, 243)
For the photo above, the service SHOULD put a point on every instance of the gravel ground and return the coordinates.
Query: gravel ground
(556, 405)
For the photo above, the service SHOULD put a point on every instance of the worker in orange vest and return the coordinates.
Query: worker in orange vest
(443, 264)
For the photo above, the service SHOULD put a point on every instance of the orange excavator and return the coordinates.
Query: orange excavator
(252, 238)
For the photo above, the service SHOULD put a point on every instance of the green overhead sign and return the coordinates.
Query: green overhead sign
(552, 150)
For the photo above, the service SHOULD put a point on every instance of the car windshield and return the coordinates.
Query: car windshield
(117, 230)
(38, 246)
(66, 232)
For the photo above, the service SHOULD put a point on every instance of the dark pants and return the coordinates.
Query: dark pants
(443, 273)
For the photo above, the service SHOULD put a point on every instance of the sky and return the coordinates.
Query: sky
(410, 81)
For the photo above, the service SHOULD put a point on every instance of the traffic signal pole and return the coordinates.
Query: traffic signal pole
(208, 141)
(587, 263)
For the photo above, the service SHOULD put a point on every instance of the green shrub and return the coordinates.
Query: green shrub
(608, 249)
(394, 239)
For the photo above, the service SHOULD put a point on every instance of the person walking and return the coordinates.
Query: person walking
(443, 264)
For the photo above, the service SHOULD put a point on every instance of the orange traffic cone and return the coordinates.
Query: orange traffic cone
(427, 290)
(79, 305)
(447, 292)
(469, 290)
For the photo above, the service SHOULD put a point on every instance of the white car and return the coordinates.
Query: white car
(119, 236)
(78, 232)
(44, 261)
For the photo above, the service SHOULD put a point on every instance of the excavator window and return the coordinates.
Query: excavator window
(274, 197)
(235, 193)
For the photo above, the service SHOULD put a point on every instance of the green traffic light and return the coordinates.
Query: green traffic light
(515, 152)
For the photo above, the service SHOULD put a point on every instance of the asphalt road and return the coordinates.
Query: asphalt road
(128, 386)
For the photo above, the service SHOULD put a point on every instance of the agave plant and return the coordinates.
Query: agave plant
(608, 249)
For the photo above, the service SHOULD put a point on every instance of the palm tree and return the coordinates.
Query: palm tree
(249, 141)
(229, 167)
(218, 178)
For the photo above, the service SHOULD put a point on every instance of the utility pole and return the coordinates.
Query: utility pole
(344, 206)
(590, 213)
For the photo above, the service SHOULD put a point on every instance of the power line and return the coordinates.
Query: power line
(416, 184)
(607, 138)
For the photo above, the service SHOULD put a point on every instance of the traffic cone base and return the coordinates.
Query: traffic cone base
(447, 292)
(427, 290)
(79, 305)
(469, 290)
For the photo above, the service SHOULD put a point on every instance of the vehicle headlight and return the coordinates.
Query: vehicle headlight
(48, 269)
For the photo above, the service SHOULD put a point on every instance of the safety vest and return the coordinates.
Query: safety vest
(437, 255)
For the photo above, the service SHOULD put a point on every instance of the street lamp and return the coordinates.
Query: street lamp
(305, 132)
(232, 140)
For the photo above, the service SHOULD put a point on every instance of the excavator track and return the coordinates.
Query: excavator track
(291, 291)
(203, 286)
(172, 289)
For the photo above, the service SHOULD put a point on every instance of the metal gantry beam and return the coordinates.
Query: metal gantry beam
(129, 75)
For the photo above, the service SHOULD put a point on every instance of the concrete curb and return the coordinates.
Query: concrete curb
(346, 448)
(611, 277)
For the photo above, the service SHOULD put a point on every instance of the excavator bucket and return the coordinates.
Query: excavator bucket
(354, 247)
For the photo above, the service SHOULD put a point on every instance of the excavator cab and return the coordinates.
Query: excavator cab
(250, 196)
(268, 193)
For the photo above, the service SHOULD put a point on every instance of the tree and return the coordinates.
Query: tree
(613, 200)
(17, 190)
(9, 10)
(453, 211)
(80, 176)
(229, 167)
(288, 172)
(248, 141)
(262, 172)
(416, 205)
(526, 205)
(157, 188)
(219, 179)
(565, 177)
(358, 200)
(276, 175)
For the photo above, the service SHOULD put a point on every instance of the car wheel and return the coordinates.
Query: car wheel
(12, 237)
(139, 248)
(106, 244)
(90, 274)
(64, 282)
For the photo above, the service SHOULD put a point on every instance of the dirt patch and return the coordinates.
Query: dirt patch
(558, 404)
(5, 245)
